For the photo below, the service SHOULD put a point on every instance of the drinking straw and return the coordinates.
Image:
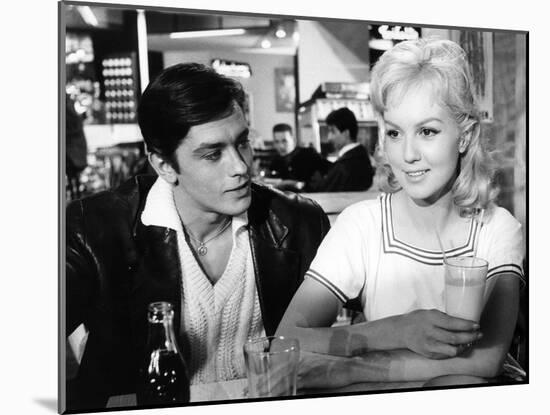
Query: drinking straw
(478, 220)
(440, 245)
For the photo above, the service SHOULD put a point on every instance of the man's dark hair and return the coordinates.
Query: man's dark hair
(344, 119)
(182, 96)
(281, 128)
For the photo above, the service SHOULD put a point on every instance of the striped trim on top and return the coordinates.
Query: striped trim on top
(424, 256)
(332, 288)
(507, 269)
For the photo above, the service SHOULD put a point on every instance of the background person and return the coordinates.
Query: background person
(226, 253)
(385, 253)
(295, 165)
(352, 171)
(76, 147)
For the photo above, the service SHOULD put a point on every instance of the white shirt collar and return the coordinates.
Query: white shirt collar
(347, 148)
(160, 209)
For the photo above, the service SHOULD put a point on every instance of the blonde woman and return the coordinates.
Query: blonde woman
(385, 253)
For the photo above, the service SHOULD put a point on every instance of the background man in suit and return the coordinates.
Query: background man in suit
(294, 164)
(352, 171)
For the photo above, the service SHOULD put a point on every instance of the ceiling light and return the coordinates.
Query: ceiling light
(207, 33)
(398, 32)
(280, 33)
(230, 68)
(87, 15)
(266, 44)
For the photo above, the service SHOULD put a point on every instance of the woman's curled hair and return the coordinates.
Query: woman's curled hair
(443, 65)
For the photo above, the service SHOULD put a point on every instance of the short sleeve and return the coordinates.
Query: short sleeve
(505, 247)
(340, 261)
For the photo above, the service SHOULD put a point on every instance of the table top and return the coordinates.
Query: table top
(218, 391)
(236, 389)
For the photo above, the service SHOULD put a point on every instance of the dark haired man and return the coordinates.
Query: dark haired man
(294, 164)
(228, 254)
(352, 171)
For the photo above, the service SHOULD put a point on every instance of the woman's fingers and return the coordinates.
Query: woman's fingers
(437, 335)
(448, 322)
(445, 350)
(455, 337)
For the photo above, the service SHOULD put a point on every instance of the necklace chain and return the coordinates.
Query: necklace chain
(202, 249)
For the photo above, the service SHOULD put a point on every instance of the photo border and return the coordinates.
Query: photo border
(62, 196)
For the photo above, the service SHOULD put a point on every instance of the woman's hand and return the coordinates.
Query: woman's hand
(436, 335)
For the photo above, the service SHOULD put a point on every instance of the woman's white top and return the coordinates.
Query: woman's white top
(361, 258)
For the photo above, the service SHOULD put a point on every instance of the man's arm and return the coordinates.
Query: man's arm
(334, 181)
(79, 276)
(318, 162)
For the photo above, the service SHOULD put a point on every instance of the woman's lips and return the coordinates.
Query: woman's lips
(416, 173)
(415, 176)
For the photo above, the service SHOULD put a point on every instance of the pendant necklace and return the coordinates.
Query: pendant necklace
(202, 250)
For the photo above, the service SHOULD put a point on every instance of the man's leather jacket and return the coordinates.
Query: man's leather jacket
(116, 266)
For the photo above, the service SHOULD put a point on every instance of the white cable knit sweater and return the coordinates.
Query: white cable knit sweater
(216, 319)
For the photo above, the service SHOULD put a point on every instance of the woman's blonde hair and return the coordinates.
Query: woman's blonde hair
(442, 64)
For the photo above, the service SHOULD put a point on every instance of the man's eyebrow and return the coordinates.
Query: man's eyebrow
(219, 144)
(209, 146)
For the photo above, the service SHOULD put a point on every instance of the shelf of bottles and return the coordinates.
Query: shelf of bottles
(121, 88)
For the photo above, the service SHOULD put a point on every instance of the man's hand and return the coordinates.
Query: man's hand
(436, 335)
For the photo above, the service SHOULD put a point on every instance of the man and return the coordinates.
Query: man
(76, 150)
(352, 171)
(295, 165)
(228, 254)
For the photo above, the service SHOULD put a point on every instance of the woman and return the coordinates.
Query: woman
(385, 252)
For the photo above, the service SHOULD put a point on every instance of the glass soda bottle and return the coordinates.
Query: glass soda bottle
(163, 377)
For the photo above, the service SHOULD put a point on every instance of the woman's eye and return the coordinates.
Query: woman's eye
(392, 133)
(428, 132)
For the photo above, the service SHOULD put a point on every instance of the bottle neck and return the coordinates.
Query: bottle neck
(161, 335)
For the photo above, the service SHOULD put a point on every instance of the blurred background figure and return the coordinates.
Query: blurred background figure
(76, 148)
(295, 165)
(352, 171)
(263, 152)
